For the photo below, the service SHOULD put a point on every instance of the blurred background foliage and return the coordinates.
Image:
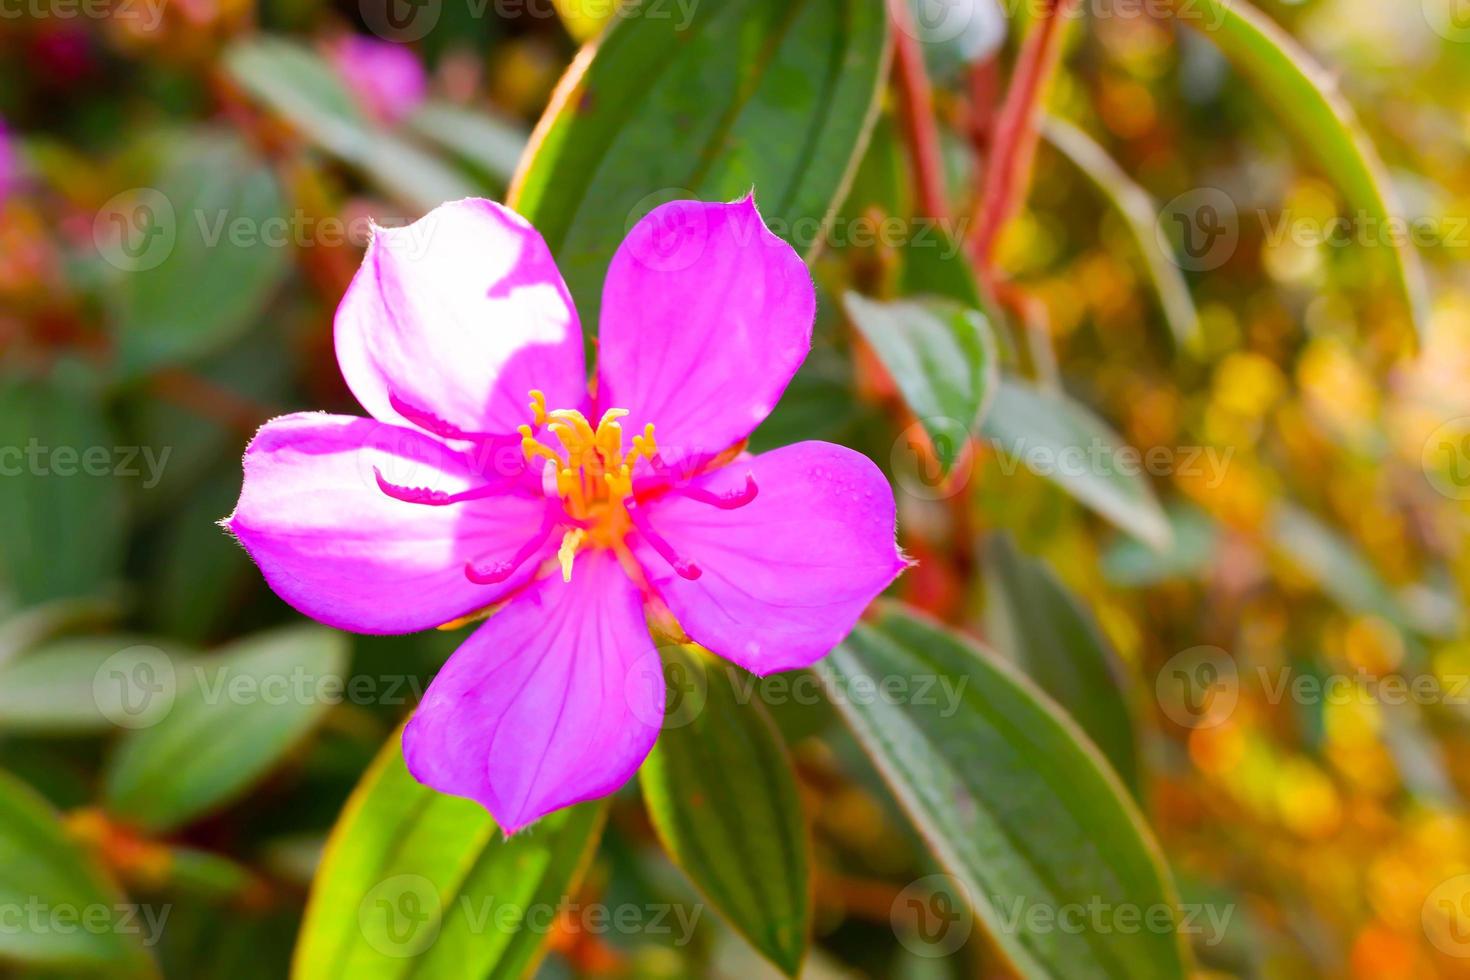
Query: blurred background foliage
(185, 188)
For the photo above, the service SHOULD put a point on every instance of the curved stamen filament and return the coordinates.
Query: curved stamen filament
(430, 422)
(494, 574)
(685, 568)
(435, 498)
(733, 500)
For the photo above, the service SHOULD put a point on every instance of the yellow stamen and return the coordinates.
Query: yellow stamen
(589, 471)
(567, 553)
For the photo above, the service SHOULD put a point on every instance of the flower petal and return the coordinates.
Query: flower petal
(557, 699)
(706, 315)
(784, 577)
(337, 547)
(455, 318)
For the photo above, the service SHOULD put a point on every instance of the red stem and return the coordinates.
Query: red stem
(1017, 130)
(921, 130)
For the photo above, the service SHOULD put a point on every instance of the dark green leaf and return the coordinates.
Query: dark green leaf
(1031, 618)
(723, 799)
(414, 882)
(941, 356)
(197, 257)
(774, 95)
(234, 716)
(1013, 800)
(59, 462)
(1062, 440)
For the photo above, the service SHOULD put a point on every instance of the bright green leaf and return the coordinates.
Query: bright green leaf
(941, 356)
(234, 716)
(1013, 800)
(723, 799)
(1063, 441)
(772, 95)
(1031, 618)
(414, 882)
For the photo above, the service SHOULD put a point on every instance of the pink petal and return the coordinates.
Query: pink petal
(455, 318)
(388, 78)
(557, 699)
(784, 577)
(338, 548)
(706, 315)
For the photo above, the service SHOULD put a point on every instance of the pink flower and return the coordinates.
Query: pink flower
(488, 474)
(388, 79)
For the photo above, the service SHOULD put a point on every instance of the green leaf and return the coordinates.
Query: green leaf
(1031, 618)
(1063, 441)
(235, 715)
(54, 690)
(26, 628)
(775, 95)
(204, 231)
(941, 356)
(296, 82)
(1132, 565)
(1140, 212)
(59, 463)
(935, 264)
(723, 798)
(44, 874)
(1011, 797)
(491, 145)
(417, 882)
(1307, 98)
(1345, 575)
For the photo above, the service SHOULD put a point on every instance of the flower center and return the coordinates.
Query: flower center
(589, 471)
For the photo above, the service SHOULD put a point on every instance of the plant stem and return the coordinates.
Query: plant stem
(1017, 130)
(916, 100)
